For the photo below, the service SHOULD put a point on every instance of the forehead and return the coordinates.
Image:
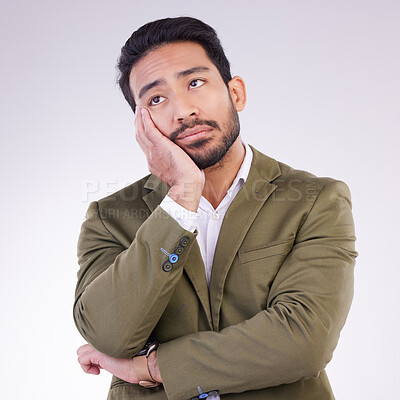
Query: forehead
(166, 61)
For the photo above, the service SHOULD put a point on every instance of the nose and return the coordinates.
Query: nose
(184, 108)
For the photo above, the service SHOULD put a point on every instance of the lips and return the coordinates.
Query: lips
(194, 131)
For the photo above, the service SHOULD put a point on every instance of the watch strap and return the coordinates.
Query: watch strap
(143, 372)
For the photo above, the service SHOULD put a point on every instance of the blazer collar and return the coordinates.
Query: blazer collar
(267, 167)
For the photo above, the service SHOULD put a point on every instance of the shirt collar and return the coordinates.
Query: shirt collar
(237, 183)
(244, 169)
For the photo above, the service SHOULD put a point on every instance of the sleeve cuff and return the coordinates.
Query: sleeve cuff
(185, 218)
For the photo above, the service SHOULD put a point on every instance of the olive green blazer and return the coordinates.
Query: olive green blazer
(280, 289)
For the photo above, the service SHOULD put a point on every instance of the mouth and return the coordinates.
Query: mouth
(193, 134)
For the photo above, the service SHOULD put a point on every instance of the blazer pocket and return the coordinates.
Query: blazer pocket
(275, 248)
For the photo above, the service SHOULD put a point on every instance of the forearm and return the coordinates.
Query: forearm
(117, 310)
(133, 370)
(270, 349)
(279, 346)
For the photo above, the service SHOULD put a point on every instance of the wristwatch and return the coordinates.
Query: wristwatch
(141, 363)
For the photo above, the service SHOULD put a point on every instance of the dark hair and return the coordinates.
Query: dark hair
(169, 30)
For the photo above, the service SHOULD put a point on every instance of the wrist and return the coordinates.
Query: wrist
(187, 194)
(146, 369)
(153, 367)
(142, 372)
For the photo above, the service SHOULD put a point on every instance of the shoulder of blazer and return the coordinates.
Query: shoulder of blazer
(287, 179)
(124, 211)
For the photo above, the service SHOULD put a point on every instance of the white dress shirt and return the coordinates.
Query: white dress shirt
(208, 220)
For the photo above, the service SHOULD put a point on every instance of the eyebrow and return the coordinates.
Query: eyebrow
(162, 81)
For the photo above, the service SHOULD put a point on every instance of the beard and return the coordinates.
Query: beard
(215, 154)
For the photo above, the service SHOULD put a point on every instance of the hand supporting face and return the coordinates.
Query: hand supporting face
(169, 162)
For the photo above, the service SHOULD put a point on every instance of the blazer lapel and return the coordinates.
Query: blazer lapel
(194, 266)
(237, 221)
(195, 270)
(157, 191)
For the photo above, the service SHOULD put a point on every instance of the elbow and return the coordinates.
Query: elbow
(106, 335)
(315, 362)
(315, 355)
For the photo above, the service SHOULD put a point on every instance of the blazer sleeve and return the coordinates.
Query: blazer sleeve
(295, 335)
(121, 292)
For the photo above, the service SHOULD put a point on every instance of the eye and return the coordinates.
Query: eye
(156, 100)
(196, 81)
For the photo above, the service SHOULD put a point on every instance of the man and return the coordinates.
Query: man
(223, 273)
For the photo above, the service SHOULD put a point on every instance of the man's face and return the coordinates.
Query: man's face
(187, 99)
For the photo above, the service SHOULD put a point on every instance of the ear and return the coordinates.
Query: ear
(237, 90)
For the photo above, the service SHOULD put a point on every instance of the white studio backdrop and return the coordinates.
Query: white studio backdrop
(323, 95)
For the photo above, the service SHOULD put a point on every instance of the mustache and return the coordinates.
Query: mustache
(192, 124)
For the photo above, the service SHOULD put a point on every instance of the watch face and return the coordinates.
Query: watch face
(141, 352)
(151, 344)
(150, 341)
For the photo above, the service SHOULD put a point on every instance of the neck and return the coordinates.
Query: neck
(219, 177)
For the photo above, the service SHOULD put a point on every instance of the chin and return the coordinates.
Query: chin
(198, 144)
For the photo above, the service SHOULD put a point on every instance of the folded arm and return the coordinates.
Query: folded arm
(122, 292)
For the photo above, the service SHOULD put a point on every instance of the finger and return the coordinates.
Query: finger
(144, 146)
(88, 365)
(137, 116)
(83, 349)
(140, 132)
(92, 369)
(152, 133)
(142, 139)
